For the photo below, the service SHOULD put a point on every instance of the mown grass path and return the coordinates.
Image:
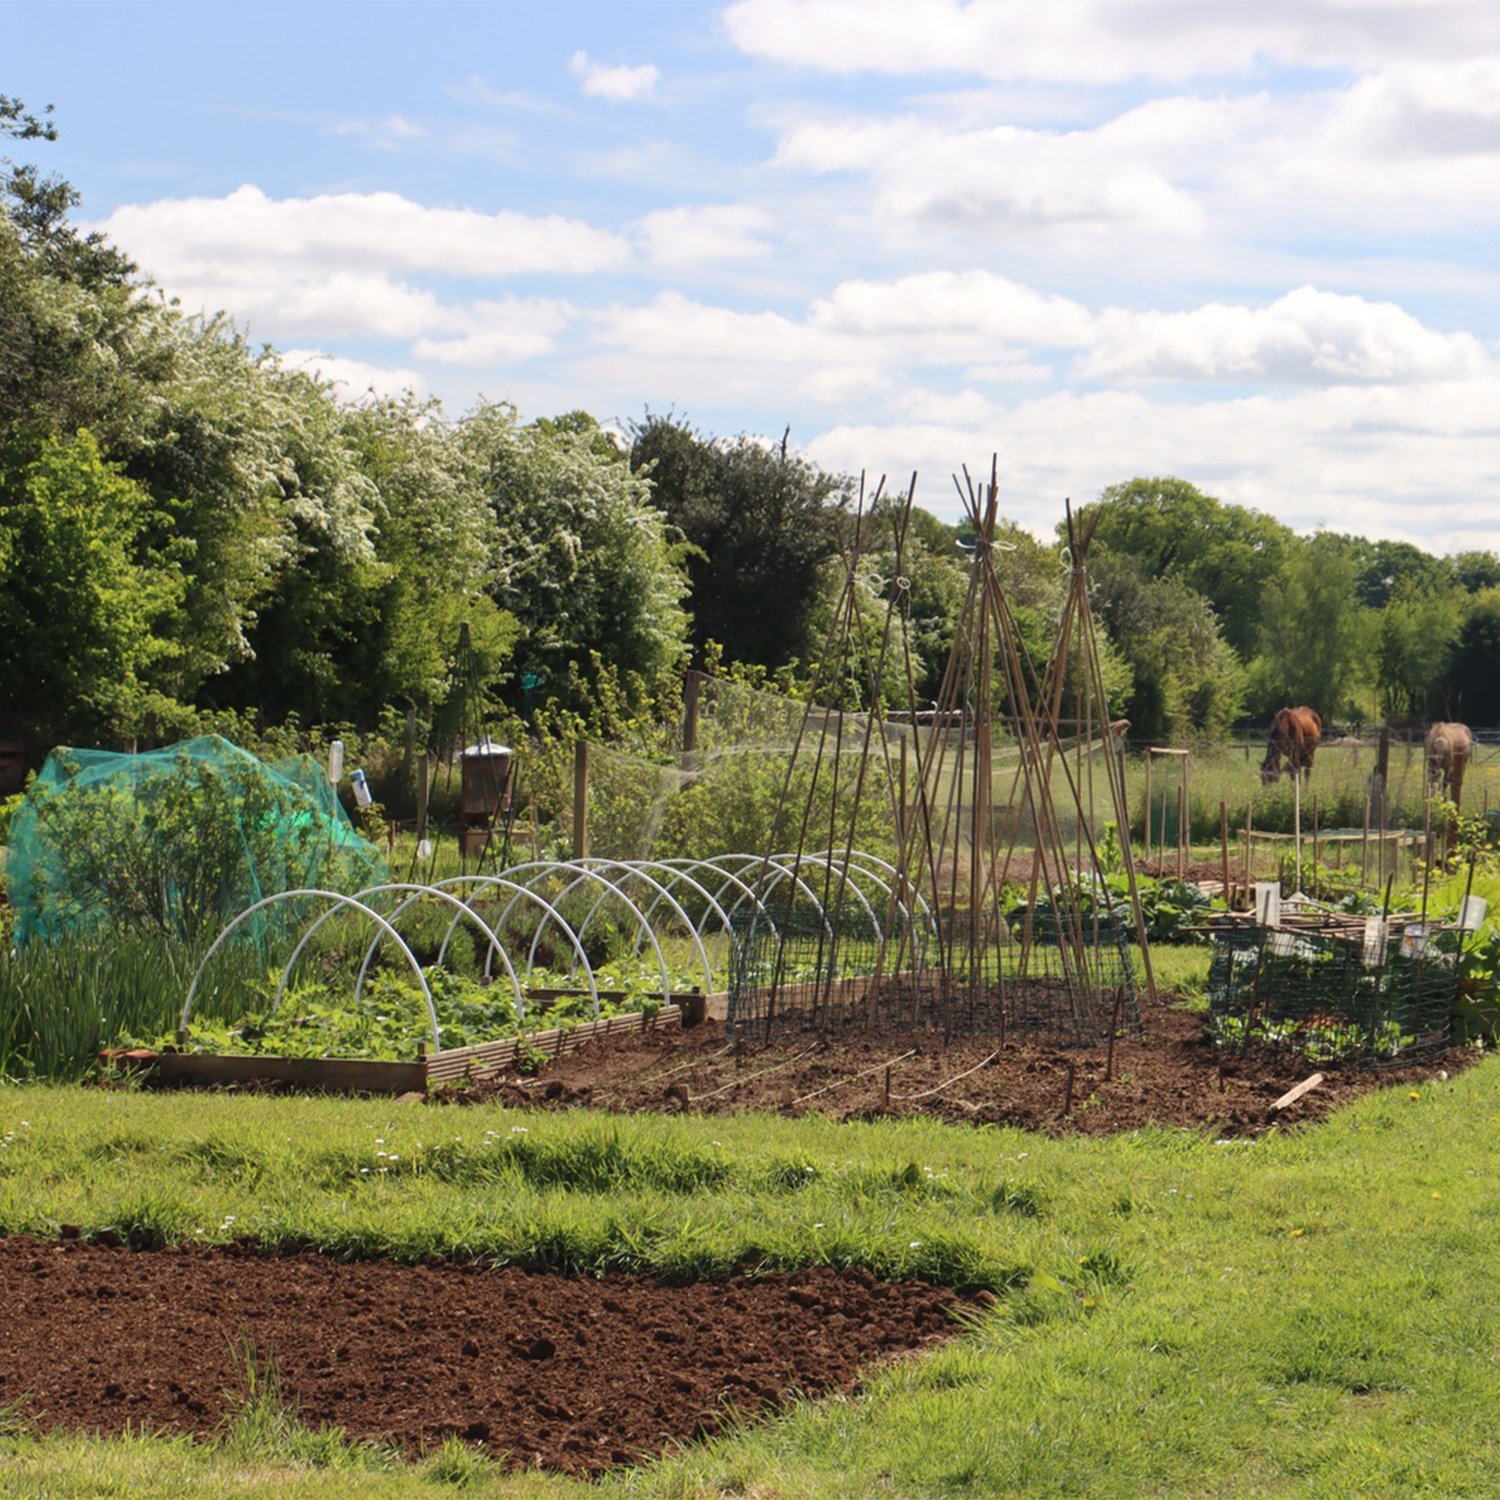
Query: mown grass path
(1309, 1314)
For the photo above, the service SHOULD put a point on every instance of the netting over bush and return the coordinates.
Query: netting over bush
(174, 841)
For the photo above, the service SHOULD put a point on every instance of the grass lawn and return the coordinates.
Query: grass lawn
(1309, 1314)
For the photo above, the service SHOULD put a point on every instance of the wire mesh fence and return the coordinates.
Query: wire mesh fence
(1345, 995)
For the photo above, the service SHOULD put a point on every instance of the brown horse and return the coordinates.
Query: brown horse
(1449, 750)
(1293, 736)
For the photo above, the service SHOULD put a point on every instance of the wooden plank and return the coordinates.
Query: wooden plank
(341, 1074)
(1293, 1095)
(488, 1057)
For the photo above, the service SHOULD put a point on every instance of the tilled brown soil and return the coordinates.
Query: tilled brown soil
(555, 1371)
(1171, 1075)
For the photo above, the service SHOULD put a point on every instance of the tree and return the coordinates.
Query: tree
(584, 561)
(1387, 568)
(1225, 553)
(760, 524)
(1315, 634)
(1477, 570)
(1413, 642)
(1473, 682)
(81, 598)
(1180, 676)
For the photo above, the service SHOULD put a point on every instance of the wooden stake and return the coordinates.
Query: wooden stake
(1293, 1095)
(1364, 846)
(1297, 823)
(1146, 825)
(1067, 1108)
(1224, 850)
(1114, 1031)
(581, 799)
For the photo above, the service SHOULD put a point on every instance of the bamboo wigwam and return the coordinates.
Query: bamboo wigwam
(1003, 922)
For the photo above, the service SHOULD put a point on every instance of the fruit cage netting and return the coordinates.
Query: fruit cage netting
(1333, 996)
(174, 842)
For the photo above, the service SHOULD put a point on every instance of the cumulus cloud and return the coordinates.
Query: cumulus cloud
(501, 333)
(678, 238)
(619, 84)
(353, 377)
(1379, 461)
(1103, 41)
(186, 237)
(1305, 336)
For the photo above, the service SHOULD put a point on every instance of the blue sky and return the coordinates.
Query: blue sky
(1250, 244)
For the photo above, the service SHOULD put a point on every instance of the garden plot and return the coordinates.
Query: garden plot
(1172, 1074)
(567, 1373)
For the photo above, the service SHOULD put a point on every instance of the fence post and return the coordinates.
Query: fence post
(580, 799)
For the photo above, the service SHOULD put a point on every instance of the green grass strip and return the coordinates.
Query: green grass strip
(1310, 1314)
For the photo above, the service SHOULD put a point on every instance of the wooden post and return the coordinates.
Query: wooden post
(1146, 825)
(581, 799)
(690, 689)
(409, 757)
(1224, 851)
(422, 796)
(1315, 836)
(1249, 836)
(1297, 824)
(1187, 804)
(1181, 834)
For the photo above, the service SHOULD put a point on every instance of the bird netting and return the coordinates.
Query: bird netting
(174, 841)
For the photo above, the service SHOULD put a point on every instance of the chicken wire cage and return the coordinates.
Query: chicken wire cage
(1368, 995)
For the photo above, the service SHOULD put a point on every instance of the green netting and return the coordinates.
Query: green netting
(174, 842)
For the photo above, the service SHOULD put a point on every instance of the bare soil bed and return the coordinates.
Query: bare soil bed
(558, 1372)
(1171, 1075)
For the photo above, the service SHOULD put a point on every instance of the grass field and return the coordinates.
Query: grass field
(1307, 1314)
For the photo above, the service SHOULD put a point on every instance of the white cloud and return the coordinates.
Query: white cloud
(1306, 335)
(1105, 41)
(966, 309)
(353, 377)
(1378, 461)
(174, 237)
(387, 134)
(500, 333)
(618, 84)
(679, 238)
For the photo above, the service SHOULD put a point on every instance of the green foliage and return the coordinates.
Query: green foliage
(319, 1018)
(1414, 641)
(1473, 677)
(1181, 678)
(173, 843)
(1224, 553)
(82, 596)
(1315, 634)
(586, 562)
(760, 523)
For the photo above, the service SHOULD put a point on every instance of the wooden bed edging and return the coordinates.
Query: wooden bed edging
(362, 1076)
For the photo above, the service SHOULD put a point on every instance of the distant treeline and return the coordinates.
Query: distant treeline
(193, 532)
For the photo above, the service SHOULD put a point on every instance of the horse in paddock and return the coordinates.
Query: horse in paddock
(1293, 737)
(1449, 747)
